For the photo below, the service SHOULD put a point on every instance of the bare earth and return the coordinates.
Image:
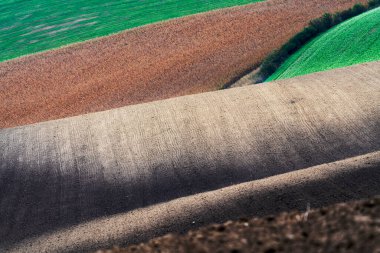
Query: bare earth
(345, 180)
(346, 227)
(184, 56)
(132, 173)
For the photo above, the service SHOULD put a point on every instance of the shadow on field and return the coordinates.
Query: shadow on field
(33, 203)
(62, 173)
(261, 197)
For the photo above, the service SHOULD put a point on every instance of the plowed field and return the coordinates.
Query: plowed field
(131, 173)
(184, 56)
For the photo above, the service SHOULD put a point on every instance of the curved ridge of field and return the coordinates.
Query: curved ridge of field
(65, 172)
(355, 223)
(32, 26)
(322, 185)
(355, 41)
(179, 57)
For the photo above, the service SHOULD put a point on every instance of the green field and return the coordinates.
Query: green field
(29, 26)
(355, 41)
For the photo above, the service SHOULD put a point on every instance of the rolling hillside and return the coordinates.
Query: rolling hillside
(352, 42)
(128, 174)
(32, 26)
(179, 57)
(349, 179)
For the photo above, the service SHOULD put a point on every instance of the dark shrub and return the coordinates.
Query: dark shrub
(337, 18)
(323, 23)
(274, 62)
(373, 4)
(300, 39)
(358, 9)
(346, 14)
(270, 64)
(291, 47)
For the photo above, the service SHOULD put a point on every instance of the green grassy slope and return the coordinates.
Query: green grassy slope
(29, 26)
(354, 41)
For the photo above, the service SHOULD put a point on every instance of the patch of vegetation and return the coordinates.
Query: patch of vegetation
(30, 26)
(319, 26)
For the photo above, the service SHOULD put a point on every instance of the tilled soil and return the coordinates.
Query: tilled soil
(184, 56)
(137, 172)
(346, 227)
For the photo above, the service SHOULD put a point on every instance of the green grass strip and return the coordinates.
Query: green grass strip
(30, 26)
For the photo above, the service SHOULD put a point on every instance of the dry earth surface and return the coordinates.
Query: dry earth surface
(345, 180)
(349, 227)
(63, 182)
(184, 56)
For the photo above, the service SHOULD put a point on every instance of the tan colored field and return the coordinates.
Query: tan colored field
(183, 56)
(322, 185)
(132, 173)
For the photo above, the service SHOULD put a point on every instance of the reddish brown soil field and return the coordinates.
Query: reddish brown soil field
(350, 227)
(184, 56)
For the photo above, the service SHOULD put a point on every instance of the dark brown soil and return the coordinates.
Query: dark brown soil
(183, 56)
(349, 227)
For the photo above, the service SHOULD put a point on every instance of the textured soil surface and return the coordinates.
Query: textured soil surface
(318, 186)
(184, 56)
(133, 173)
(347, 227)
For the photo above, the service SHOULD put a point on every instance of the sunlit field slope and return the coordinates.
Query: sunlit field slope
(129, 174)
(30, 26)
(354, 41)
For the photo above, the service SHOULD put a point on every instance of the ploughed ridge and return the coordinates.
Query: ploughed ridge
(184, 56)
(64, 182)
(356, 224)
